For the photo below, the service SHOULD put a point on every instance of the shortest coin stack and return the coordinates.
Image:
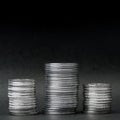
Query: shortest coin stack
(21, 93)
(97, 98)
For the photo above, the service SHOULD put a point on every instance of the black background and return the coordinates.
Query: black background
(28, 42)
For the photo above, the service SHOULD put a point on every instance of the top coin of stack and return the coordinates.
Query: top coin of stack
(21, 93)
(97, 98)
(61, 88)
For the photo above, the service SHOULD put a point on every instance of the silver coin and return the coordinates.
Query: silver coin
(21, 94)
(97, 98)
(61, 88)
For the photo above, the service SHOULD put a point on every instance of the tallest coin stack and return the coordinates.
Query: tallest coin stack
(61, 88)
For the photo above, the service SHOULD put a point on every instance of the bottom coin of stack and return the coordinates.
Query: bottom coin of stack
(21, 94)
(62, 87)
(97, 98)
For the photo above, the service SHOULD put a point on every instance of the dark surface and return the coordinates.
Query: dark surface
(25, 48)
(64, 117)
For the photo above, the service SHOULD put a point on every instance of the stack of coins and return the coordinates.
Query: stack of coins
(97, 98)
(61, 88)
(21, 94)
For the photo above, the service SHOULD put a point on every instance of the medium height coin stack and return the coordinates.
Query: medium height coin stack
(97, 98)
(21, 93)
(61, 88)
